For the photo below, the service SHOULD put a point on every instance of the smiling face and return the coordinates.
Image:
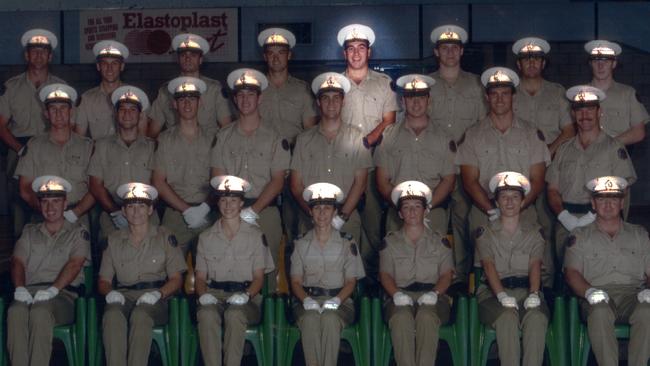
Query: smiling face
(607, 207)
(587, 118)
(110, 69)
(412, 211)
(416, 106)
(187, 107)
(531, 67)
(38, 57)
(509, 202)
(357, 54)
(128, 115)
(500, 100)
(230, 206)
(137, 213)
(449, 54)
(322, 214)
(331, 104)
(277, 57)
(52, 208)
(247, 101)
(59, 113)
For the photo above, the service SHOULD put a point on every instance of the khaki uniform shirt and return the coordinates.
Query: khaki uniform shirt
(96, 113)
(621, 110)
(233, 260)
(213, 107)
(455, 108)
(155, 259)
(253, 158)
(426, 158)
(287, 107)
(366, 103)
(336, 162)
(606, 261)
(548, 110)
(45, 255)
(493, 152)
(511, 255)
(424, 261)
(21, 105)
(573, 166)
(327, 267)
(185, 163)
(116, 163)
(70, 162)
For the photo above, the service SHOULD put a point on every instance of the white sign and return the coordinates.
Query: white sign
(148, 33)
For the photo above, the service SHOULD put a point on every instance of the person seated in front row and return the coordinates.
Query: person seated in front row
(325, 267)
(148, 265)
(231, 260)
(510, 251)
(415, 268)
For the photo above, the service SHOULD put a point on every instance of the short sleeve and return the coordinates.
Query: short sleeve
(574, 256)
(107, 267)
(216, 153)
(22, 248)
(201, 264)
(484, 247)
(353, 266)
(446, 261)
(96, 166)
(638, 112)
(308, 105)
(26, 164)
(537, 249)
(564, 113)
(623, 166)
(262, 257)
(157, 110)
(538, 150)
(296, 262)
(81, 244)
(390, 100)
(281, 157)
(466, 154)
(174, 262)
(386, 262)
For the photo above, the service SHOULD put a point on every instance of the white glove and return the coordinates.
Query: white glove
(338, 222)
(332, 304)
(208, 299)
(428, 298)
(44, 295)
(238, 299)
(70, 216)
(149, 298)
(21, 294)
(532, 301)
(195, 216)
(119, 220)
(402, 299)
(594, 296)
(569, 221)
(586, 219)
(249, 216)
(493, 214)
(506, 300)
(310, 304)
(115, 297)
(643, 296)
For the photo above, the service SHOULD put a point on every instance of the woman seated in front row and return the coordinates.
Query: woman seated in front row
(231, 259)
(325, 266)
(415, 269)
(510, 252)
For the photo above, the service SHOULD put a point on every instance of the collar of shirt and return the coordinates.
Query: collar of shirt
(67, 226)
(599, 139)
(124, 236)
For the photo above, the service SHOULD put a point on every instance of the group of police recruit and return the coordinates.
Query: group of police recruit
(532, 181)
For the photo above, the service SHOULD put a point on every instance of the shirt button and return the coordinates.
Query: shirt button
(126, 163)
(329, 170)
(449, 125)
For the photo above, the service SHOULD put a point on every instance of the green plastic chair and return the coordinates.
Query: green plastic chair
(482, 336)
(455, 334)
(165, 337)
(260, 336)
(579, 339)
(357, 335)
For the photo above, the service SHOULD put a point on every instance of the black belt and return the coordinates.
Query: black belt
(419, 286)
(79, 290)
(515, 282)
(229, 286)
(577, 208)
(143, 285)
(319, 291)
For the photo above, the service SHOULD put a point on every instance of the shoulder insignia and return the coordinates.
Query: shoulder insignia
(85, 234)
(225, 93)
(266, 243)
(452, 146)
(214, 142)
(570, 241)
(446, 242)
(622, 154)
(172, 240)
(540, 135)
(383, 245)
(462, 139)
(285, 144)
(353, 249)
(478, 232)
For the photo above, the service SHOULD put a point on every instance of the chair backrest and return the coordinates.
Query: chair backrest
(89, 282)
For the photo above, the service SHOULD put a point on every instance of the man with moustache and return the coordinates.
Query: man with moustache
(21, 111)
(589, 155)
(214, 111)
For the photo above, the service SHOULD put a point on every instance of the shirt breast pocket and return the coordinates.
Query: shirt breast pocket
(372, 109)
(631, 264)
(486, 154)
(519, 262)
(290, 112)
(427, 269)
(404, 268)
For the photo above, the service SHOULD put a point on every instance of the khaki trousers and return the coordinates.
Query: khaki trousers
(234, 319)
(414, 329)
(321, 333)
(509, 321)
(30, 328)
(622, 308)
(136, 321)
